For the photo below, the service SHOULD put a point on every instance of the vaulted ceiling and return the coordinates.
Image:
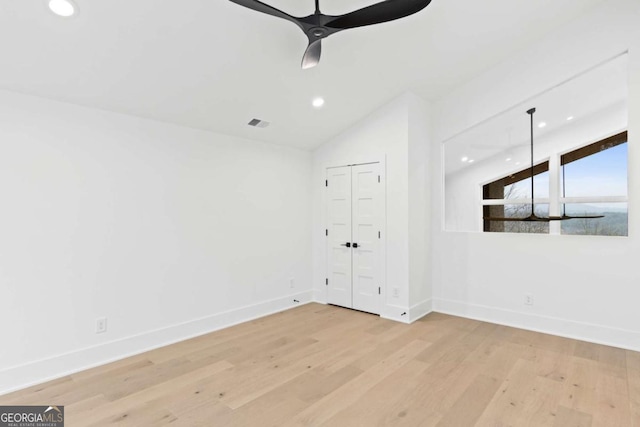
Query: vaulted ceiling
(214, 65)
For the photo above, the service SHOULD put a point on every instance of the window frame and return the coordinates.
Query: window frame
(554, 165)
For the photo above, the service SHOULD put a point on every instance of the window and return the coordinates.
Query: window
(591, 180)
(511, 192)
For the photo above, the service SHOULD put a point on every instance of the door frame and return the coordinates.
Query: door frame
(383, 228)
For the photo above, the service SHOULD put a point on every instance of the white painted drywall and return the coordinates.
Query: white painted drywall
(392, 134)
(383, 136)
(419, 168)
(583, 286)
(168, 231)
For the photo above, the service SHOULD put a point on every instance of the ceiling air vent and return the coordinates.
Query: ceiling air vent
(258, 123)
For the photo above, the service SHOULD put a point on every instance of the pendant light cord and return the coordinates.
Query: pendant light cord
(564, 192)
(530, 112)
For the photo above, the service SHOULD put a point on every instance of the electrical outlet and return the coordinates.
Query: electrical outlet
(101, 325)
(528, 299)
(292, 282)
(396, 292)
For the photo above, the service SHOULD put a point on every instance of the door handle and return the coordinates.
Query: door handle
(348, 244)
(355, 245)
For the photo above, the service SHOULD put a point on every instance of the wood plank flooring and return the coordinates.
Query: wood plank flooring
(321, 365)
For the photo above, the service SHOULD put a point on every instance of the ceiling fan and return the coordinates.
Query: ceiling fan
(533, 217)
(319, 26)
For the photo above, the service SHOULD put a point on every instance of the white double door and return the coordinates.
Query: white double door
(355, 213)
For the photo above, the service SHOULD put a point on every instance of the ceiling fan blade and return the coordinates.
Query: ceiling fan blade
(583, 216)
(265, 8)
(530, 218)
(311, 56)
(535, 218)
(384, 11)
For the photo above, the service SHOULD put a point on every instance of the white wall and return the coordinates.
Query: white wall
(419, 169)
(154, 225)
(170, 232)
(583, 286)
(383, 136)
(390, 136)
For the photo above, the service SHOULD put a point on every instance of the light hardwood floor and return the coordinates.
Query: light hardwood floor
(323, 365)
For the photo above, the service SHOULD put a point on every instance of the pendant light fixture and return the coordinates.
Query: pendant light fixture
(533, 217)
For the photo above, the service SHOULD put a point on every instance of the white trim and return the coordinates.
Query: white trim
(40, 371)
(413, 313)
(583, 331)
(319, 295)
(554, 193)
(498, 202)
(562, 200)
(418, 311)
(595, 199)
(396, 313)
(443, 195)
(323, 295)
(354, 164)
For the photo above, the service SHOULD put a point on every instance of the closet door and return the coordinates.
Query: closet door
(355, 215)
(339, 236)
(367, 207)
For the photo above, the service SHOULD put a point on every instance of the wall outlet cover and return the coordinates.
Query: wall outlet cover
(101, 325)
(528, 299)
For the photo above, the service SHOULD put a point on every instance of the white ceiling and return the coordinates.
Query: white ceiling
(588, 96)
(214, 65)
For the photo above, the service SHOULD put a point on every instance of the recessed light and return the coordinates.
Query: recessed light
(541, 124)
(569, 118)
(517, 163)
(318, 102)
(64, 8)
(508, 159)
(464, 159)
(471, 160)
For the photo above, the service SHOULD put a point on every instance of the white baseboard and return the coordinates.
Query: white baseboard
(402, 314)
(19, 377)
(420, 310)
(583, 331)
(396, 313)
(320, 296)
(37, 372)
